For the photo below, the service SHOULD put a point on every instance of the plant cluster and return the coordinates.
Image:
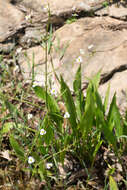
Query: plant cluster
(81, 129)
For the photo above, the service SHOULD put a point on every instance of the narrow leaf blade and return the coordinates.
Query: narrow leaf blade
(17, 148)
(112, 183)
(66, 94)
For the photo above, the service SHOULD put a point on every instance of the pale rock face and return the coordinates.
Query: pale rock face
(10, 18)
(95, 43)
(118, 85)
(104, 49)
(117, 11)
(59, 7)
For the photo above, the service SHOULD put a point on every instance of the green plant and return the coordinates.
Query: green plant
(71, 19)
(81, 131)
(105, 4)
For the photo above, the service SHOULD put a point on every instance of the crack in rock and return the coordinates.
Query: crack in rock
(107, 76)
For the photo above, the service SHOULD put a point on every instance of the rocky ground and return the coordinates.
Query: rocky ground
(98, 35)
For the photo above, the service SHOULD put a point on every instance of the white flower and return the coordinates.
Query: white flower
(19, 50)
(28, 17)
(29, 116)
(82, 51)
(53, 92)
(79, 59)
(49, 165)
(73, 8)
(66, 115)
(45, 9)
(37, 83)
(84, 94)
(90, 47)
(16, 69)
(31, 160)
(42, 132)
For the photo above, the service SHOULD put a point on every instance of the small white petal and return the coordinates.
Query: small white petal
(42, 132)
(66, 115)
(45, 9)
(49, 165)
(35, 84)
(90, 47)
(79, 59)
(31, 160)
(53, 92)
(16, 69)
(29, 116)
(73, 8)
(82, 51)
(38, 83)
(84, 94)
(28, 17)
(19, 50)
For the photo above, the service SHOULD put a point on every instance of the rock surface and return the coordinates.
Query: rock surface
(115, 10)
(99, 42)
(58, 7)
(10, 19)
(117, 84)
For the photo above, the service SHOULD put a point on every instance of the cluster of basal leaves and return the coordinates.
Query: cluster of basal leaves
(79, 131)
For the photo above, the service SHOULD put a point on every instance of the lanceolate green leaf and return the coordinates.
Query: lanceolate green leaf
(98, 101)
(109, 135)
(7, 127)
(96, 150)
(17, 148)
(40, 92)
(12, 109)
(78, 93)
(48, 127)
(92, 101)
(114, 118)
(102, 124)
(86, 123)
(95, 81)
(106, 98)
(53, 108)
(112, 183)
(66, 94)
